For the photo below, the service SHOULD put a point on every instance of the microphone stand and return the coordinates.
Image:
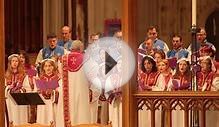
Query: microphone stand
(194, 114)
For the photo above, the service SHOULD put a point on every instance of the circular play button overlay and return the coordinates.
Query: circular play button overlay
(109, 63)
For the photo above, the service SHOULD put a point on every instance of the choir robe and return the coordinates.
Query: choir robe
(47, 53)
(164, 82)
(207, 81)
(73, 103)
(17, 113)
(67, 45)
(94, 85)
(31, 72)
(146, 82)
(157, 44)
(179, 83)
(94, 97)
(46, 113)
(181, 53)
(94, 100)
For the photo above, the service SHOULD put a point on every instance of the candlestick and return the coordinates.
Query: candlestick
(193, 12)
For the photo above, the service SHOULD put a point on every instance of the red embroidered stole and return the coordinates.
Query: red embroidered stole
(71, 62)
(65, 91)
(167, 78)
(16, 81)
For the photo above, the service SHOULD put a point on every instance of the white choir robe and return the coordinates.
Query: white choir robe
(103, 104)
(94, 103)
(17, 113)
(78, 100)
(47, 113)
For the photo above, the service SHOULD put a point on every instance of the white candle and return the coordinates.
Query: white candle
(193, 12)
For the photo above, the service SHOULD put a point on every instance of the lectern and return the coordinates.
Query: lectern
(27, 98)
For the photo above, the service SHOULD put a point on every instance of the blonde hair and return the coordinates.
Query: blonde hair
(77, 46)
(165, 61)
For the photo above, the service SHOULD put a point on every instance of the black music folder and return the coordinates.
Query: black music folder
(27, 98)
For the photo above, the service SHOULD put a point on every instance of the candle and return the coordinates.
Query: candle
(193, 12)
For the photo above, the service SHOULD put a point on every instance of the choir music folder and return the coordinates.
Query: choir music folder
(45, 85)
(27, 98)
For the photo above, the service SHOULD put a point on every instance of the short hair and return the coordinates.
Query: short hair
(70, 30)
(117, 30)
(77, 44)
(199, 29)
(94, 34)
(51, 35)
(151, 28)
(176, 35)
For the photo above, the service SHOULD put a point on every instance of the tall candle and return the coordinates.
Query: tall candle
(193, 12)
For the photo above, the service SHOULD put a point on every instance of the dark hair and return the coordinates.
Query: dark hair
(187, 72)
(176, 35)
(161, 52)
(198, 30)
(151, 28)
(117, 30)
(51, 35)
(26, 57)
(149, 59)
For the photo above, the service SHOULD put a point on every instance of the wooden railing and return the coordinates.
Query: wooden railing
(186, 100)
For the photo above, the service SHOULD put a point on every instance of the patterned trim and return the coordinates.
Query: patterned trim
(72, 55)
(66, 91)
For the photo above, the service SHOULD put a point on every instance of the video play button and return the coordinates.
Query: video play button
(109, 63)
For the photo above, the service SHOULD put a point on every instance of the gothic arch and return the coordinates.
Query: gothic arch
(212, 29)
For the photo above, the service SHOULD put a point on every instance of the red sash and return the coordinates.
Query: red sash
(65, 92)
(71, 62)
